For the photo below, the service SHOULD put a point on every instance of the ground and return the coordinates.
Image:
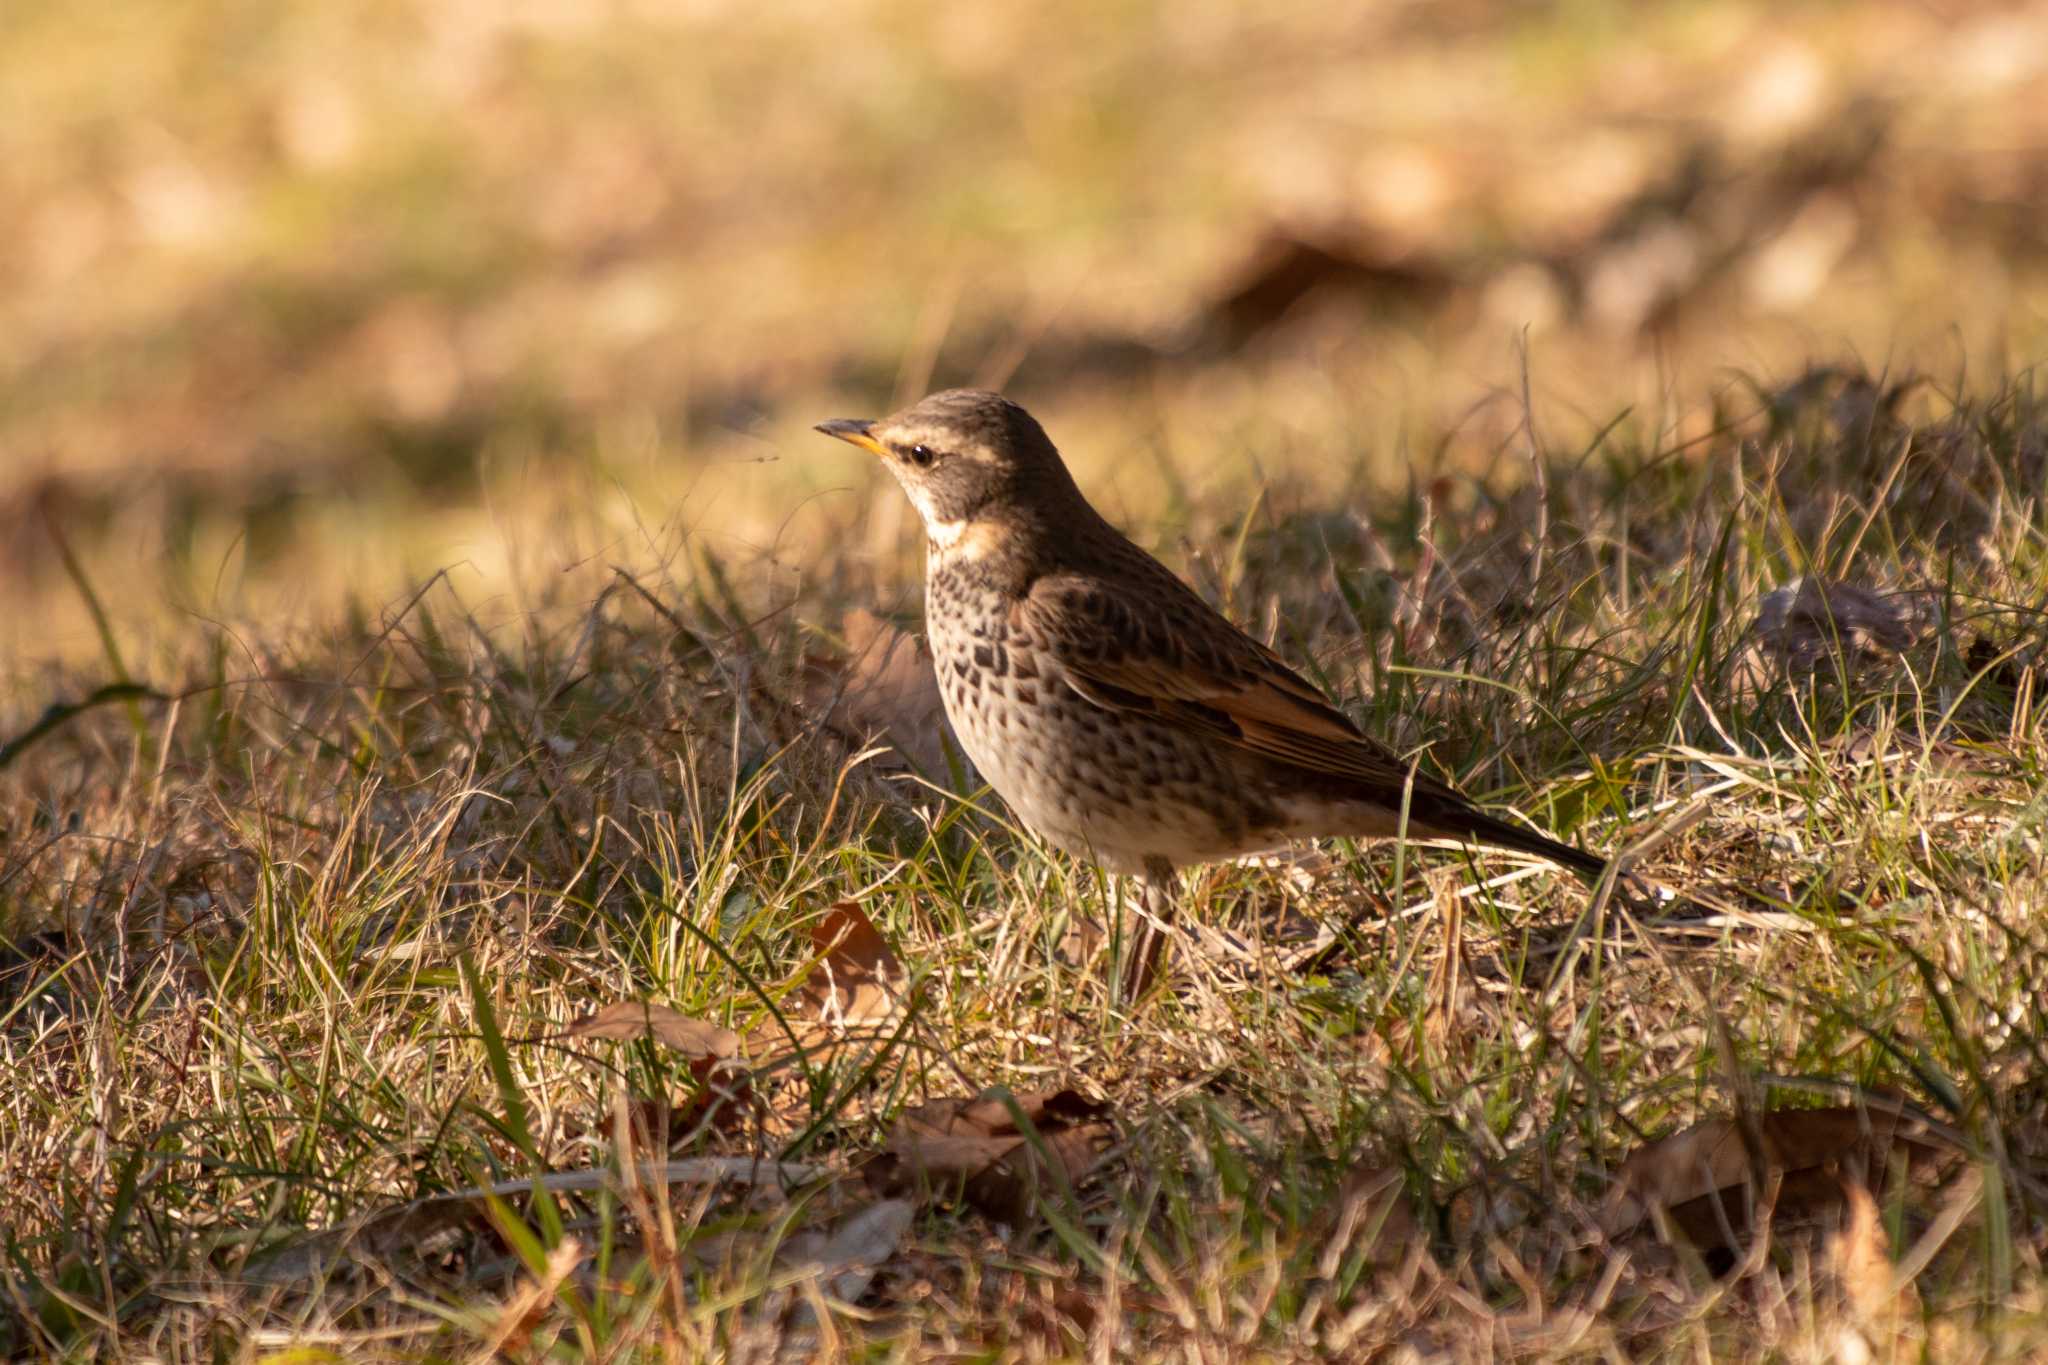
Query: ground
(480, 868)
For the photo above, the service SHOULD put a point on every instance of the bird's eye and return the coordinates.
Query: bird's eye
(922, 455)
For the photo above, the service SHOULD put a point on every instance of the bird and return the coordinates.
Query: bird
(1119, 715)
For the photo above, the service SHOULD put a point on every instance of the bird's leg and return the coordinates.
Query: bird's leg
(1156, 888)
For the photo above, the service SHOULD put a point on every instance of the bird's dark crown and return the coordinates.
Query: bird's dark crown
(964, 455)
(975, 423)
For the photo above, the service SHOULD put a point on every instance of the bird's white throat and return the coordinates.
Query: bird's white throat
(941, 532)
(957, 542)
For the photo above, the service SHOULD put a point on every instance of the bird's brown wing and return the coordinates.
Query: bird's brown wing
(1167, 654)
(1163, 652)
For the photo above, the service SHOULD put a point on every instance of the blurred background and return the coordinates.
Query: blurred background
(301, 303)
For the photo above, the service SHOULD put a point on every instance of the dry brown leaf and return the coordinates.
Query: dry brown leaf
(1060, 1316)
(1800, 624)
(845, 1260)
(857, 978)
(980, 1143)
(723, 1100)
(671, 1028)
(722, 1103)
(1700, 1175)
(884, 688)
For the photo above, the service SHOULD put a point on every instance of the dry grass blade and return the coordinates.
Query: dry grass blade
(524, 1310)
(1373, 1208)
(1860, 1255)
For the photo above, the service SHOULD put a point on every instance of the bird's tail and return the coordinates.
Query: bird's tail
(1471, 825)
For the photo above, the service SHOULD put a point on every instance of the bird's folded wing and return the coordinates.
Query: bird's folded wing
(1187, 666)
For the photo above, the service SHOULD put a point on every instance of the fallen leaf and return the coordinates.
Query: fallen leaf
(1084, 938)
(856, 978)
(722, 1103)
(845, 1260)
(1700, 1175)
(669, 1027)
(980, 1143)
(886, 688)
(1803, 623)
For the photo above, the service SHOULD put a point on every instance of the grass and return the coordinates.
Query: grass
(423, 587)
(286, 955)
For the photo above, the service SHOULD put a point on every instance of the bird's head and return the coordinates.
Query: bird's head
(965, 457)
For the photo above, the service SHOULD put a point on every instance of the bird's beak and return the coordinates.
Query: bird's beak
(852, 431)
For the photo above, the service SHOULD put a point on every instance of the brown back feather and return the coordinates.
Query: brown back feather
(1183, 663)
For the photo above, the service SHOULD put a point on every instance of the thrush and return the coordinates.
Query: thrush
(1117, 713)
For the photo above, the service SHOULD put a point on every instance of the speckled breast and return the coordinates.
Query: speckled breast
(1104, 784)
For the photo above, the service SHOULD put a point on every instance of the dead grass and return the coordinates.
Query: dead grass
(291, 943)
(431, 627)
